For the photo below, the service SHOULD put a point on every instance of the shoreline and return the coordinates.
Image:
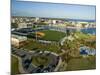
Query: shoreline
(79, 27)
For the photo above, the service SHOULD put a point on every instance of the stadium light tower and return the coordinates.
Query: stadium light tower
(36, 32)
(36, 20)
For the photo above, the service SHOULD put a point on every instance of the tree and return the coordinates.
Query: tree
(68, 32)
(14, 25)
(31, 35)
(83, 24)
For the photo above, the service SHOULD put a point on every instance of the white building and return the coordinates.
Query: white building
(22, 25)
(54, 21)
(25, 25)
(17, 40)
(20, 19)
(92, 25)
(36, 19)
(12, 20)
(80, 24)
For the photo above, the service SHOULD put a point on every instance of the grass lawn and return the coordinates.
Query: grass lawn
(14, 65)
(53, 35)
(33, 45)
(41, 60)
(82, 63)
(87, 40)
(82, 35)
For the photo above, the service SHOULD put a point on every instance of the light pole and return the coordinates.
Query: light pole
(36, 33)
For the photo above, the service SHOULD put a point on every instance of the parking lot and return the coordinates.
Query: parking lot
(29, 67)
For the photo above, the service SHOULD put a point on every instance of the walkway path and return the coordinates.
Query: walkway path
(63, 40)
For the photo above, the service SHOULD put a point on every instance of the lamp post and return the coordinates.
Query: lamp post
(36, 33)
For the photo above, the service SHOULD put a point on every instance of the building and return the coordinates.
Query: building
(25, 25)
(17, 40)
(22, 25)
(92, 25)
(13, 20)
(36, 19)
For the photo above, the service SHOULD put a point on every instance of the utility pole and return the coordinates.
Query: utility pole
(36, 33)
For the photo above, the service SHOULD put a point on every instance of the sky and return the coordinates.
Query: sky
(52, 10)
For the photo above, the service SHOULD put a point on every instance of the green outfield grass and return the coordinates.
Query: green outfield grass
(53, 35)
